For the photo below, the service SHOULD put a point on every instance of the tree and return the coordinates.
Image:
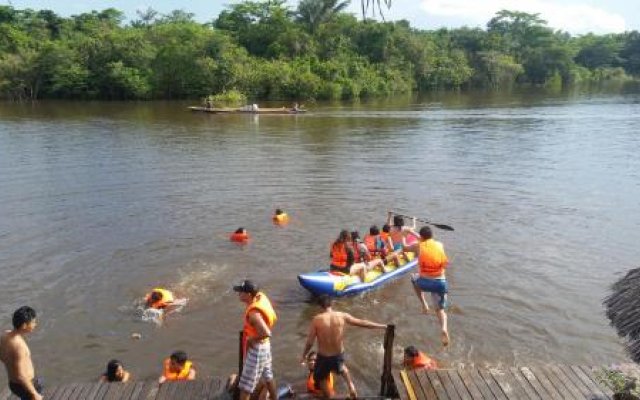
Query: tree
(371, 5)
(312, 13)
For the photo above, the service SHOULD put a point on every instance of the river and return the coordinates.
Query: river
(101, 201)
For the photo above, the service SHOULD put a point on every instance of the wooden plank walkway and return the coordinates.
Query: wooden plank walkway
(558, 382)
(209, 389)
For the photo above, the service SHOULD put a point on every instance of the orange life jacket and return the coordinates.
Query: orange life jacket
(261, 304)
(311, 385)
(339, 255)
(239, 237)
(423, 361)
(183, 375)
(165, 299)
(372, 241)
(396, 235)
(385, 239)
(432, 260)
(281, 218)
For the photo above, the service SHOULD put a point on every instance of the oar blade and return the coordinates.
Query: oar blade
(443, 227)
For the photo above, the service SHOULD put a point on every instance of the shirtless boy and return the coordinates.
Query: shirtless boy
(328, 328)
(16, 357)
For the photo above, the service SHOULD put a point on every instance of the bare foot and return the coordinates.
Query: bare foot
(445, 338)
(425, 309)
(353, 395)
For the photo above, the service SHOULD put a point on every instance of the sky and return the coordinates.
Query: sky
(574, 16)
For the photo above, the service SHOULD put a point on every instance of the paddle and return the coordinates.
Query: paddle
(441, 226)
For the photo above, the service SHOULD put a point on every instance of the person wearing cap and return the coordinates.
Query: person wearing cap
(328, 328)
(259, 319)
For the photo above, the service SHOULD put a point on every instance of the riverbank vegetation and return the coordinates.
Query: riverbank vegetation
(268, 50)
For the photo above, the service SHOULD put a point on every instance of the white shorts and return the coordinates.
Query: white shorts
(257, 365)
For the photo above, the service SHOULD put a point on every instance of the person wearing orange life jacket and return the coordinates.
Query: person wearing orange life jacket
(259, 319)
(432, 262)
(414, 359)
(240, 236)
(362, 254)
(343, 257)
(311, 383)
(374, 242)
(280, 217)
(177, 367)
(159, 299)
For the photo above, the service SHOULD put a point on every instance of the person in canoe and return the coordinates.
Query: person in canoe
(398, 233)
(343, 257)
(432, 262)
(362, 255)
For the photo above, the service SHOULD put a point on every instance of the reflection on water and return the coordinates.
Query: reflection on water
(101, 202)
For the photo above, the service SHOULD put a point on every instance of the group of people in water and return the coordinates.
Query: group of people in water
(326, 331)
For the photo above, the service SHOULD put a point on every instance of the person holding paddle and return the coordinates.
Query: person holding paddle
(432, 262)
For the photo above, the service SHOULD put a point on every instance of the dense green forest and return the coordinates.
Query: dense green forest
(268, 50)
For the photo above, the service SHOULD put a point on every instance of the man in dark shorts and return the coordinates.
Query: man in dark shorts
(16, 357)
(328, 328)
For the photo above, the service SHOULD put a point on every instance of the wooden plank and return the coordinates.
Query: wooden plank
(534, 382)
(425, 384)
(165, 391)
(462, 390)
(437, 385)
(525, 384)
(448, 385)
(510, 387)
(79, 393)
(415, 385)
(469, 383)
(551, 392)
(137, 390)
(408, 385)
(593, 387)
(582, 388)
(493, 385)
(65, 393)
(400, 385)
(591, 375)
(216, 387)
(556, 382)
(97, 391)
(481, 384)
(149, 391)
(568, 382)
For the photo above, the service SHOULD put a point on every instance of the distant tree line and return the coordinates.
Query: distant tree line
(267, 50)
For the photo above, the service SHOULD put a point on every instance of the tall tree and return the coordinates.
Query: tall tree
(312, 13)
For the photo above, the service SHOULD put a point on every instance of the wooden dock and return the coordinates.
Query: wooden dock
(208, 389)
(556, 382)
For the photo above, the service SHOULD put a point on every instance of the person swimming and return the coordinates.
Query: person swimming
(115, 372)
(177, 367)
(240, 236)
(280, 217)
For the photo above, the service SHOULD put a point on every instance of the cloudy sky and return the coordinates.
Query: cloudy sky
(575, 16)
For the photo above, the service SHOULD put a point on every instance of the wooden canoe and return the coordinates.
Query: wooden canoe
(281, 111)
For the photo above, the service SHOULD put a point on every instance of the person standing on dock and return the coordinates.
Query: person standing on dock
(259, 319)
(328, 328)
(432, 262)
(16, 356)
